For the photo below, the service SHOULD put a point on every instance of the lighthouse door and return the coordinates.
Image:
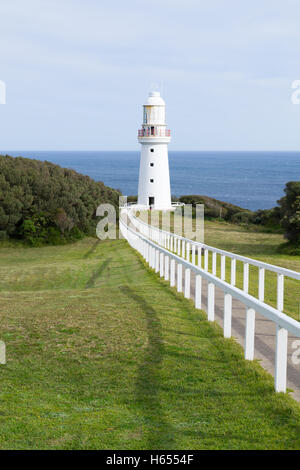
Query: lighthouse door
(151, 201)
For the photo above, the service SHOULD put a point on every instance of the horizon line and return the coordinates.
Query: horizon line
(137, 150)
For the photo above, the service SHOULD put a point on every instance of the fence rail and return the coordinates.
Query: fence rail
(163, 254)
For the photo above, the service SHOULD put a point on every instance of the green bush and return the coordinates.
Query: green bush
(3, 235)
(54, 236)
(43, 203)
(268, 217)
(243, 217)
(290, 212)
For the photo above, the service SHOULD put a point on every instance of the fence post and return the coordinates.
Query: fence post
(280, 290)
(154, 257)
(210, 301)
(167, 268)
(187, 283)
(183, 249)
(227, 315)
(172, 243)
(172, 274)
(199, 256)
(193, 254)
(223, 267)
(198, 291)
(261, 284)
(156, 261)
(281, 359)
(178, 246)
(250, 334)
(188, 252)
(179, 277)
(233, 271)
(161, 271)
(205, 259)
(246, 277)
(214, 263)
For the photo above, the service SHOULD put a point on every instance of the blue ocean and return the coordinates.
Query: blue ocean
(253, 180)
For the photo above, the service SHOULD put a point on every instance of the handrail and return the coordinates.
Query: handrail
(154, 132)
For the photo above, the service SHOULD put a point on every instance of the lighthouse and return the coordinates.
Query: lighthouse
(154, 178)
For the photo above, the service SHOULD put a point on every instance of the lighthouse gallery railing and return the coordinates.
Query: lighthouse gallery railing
(164, 250)
(154, 132)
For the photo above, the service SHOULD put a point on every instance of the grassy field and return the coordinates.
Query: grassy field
(253, 244)
(102, 354)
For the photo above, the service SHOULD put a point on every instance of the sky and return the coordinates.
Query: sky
(77, 73)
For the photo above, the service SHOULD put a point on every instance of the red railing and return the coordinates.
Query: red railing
(153, 132)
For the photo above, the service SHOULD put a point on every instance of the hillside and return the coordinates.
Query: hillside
(216, 209)
(44, 203)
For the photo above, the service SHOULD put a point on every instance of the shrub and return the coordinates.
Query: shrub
(243, 217)
(290, 211)
(40, 201)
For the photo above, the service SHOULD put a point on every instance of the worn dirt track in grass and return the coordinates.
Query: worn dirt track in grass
(126, 363)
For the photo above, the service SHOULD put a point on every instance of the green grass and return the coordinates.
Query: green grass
(102, 354)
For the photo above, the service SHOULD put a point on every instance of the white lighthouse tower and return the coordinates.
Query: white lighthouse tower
(154, 179)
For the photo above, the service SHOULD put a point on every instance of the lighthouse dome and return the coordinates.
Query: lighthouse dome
(154, 99)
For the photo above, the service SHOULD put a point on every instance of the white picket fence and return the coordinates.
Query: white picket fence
(168, 254)
(188, 249)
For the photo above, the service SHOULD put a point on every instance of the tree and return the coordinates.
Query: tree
(290, 211)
